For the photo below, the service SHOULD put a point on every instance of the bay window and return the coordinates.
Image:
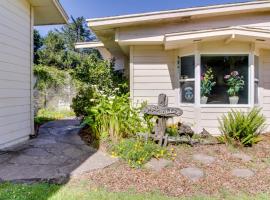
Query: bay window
(222, 66)
(225, 76)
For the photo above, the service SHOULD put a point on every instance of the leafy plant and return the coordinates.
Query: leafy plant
(172, 130)
(86, 98)
(235, 83)
(115, 117)
(238, 128)
(207, 82)
(137, 152)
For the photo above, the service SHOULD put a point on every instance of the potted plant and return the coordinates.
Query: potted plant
(235, 83)
(207, 83)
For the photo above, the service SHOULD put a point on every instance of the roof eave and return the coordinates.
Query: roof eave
(207, 11)
(49, 13)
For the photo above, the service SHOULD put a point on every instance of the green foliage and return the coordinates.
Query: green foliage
(76, 31)
(235, 83)
(113, 116)
(86, 98)
(100, 73)
(48, 77)
(46, 115)
(238, 128)
(137, 152)
(207, 82)
(96, 77)
(172, 130)
(38, 43)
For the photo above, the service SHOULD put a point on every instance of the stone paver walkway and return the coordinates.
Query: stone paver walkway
(192, 173)
(158, 164)
(54, 156)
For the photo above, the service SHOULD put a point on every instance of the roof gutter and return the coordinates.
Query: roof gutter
(112, 22)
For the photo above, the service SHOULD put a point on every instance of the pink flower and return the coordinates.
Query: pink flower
(202, 78)
(234, 73)
(227, 77)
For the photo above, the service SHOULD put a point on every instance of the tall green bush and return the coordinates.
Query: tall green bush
(238, 128)
(114, 117)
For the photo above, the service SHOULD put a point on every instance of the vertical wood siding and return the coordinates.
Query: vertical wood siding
(15, 120)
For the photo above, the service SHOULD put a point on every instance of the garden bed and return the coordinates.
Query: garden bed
(218, 176)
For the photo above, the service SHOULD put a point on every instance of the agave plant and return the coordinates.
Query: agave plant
(238, 128)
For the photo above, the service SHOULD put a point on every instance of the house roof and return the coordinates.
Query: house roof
(48, 12)
(179, 14)
(229, 34)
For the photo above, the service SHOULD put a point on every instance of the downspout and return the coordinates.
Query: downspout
(32, 133)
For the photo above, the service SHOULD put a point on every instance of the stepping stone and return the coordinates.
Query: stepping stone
(192, 173)
(242, 157)
(242, 173)
(204, 158)
(98, 160)
(158, 165)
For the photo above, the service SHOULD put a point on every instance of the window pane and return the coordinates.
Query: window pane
(256, 76)
(187, 67)
(256, 66)
(187, 92)
(222, 65)
(256, 95)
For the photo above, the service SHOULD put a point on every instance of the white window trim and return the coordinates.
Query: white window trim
(251, 85)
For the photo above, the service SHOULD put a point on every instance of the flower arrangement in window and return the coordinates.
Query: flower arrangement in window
(207, 84)
(235, 83)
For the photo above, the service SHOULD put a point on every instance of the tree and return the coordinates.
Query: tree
(54, 51)
(38, 43)
(76, 31)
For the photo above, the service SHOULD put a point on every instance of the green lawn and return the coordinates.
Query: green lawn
(82, 192)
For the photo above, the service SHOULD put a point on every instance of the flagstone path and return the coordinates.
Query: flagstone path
(57, 154)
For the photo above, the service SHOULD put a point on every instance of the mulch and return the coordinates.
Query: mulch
(169, 181)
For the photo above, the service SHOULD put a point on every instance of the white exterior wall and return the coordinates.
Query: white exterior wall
(15, 72)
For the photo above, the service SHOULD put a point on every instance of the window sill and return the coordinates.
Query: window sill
(217, 105)
(225, 106)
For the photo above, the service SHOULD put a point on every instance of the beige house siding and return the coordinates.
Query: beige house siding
(15, 71)
(153, 73)
(156, 32)
(265, 83)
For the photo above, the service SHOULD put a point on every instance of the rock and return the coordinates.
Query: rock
(242, 173)
(204, 158)
(192, 173)
(242, 156)
(205, 134)
(185, 130)
(158, 165)
(99, 160)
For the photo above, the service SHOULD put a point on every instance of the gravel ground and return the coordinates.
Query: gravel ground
(218, 178)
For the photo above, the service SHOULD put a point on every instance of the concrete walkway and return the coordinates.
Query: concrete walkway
(54, 156)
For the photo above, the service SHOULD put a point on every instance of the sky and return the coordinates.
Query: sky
(104, 8)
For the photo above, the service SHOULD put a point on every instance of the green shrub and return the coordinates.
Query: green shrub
(137, 152)
(238, 128)
(114, 116)
(86, 98)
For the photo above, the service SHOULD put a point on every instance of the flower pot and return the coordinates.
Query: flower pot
(234, 99)
(204, 100)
